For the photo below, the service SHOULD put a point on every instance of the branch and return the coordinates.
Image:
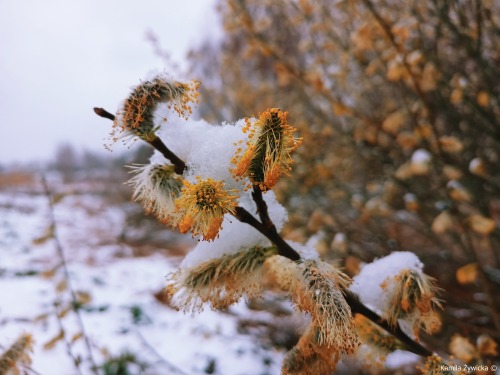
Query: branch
(152, 349)
(179, 164)
(396, 331)
(268, 229)
(284, 249)
(64, 263)
(103, 113)
(157, 143)
(262, 208)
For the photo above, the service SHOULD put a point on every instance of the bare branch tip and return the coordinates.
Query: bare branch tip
(103, 113)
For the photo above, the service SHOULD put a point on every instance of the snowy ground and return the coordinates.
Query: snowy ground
(117, 271)
(116, 290)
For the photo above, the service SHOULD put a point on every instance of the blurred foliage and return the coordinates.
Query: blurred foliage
(399, 106)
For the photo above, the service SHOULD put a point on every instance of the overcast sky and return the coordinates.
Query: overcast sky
(59, 59)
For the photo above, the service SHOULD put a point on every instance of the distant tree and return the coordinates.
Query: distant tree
(66, 161)
(398, 103)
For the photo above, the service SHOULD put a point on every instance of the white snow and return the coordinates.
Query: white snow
(368, 283)
(117, 287)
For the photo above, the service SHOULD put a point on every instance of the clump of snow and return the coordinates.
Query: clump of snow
(207, 149)
(236, 236)
(420, 162)
(309, 250)
(368, 283)
(421, 156)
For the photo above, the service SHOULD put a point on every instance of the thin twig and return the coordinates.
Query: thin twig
(62, 258)
(152, 349)
(103, 113)
(32, 370)
(396, 331)
(179, 164)
(62, 332)
(157, 143)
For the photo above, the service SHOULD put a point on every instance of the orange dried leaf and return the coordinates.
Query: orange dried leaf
(451, 145)
(76, 337)
(340, 109)
(482, 225)
(467, 274)
(462, 348)
(442, 223)
(53, 341)
(483, 99)
(486, 346)
(61, 286)
(394, 122)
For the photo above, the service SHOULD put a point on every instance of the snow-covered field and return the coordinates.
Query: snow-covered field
(115, 292)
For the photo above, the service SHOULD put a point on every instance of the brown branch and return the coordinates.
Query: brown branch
(179, 164)
(268, 229)
(262, 208)
(359, 308)
(284, 249)
(157, 143)
(103, 113)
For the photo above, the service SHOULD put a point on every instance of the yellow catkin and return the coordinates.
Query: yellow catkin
(220, 281)
(201, 207)
(269, 148)
(413, 299)
(135, 118)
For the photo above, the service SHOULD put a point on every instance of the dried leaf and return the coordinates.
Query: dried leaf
(457, 192)
(49, 274)
(483, 99)
(429, 79)
(451, 172)
(53, 341)
(467, 274)
(83, 297)
(61, 286)
(363, 38)
(462, 348)
(456, 96)
(482, 225)
(396, 71)
(486, 346)
(340, 109)
(477, 167)
(56, 198)
(442, 223)
(414, 58)
(451, 145)
(352, 265)
(408, 140)
(394, 122)
(48, 235)
(76, 337)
